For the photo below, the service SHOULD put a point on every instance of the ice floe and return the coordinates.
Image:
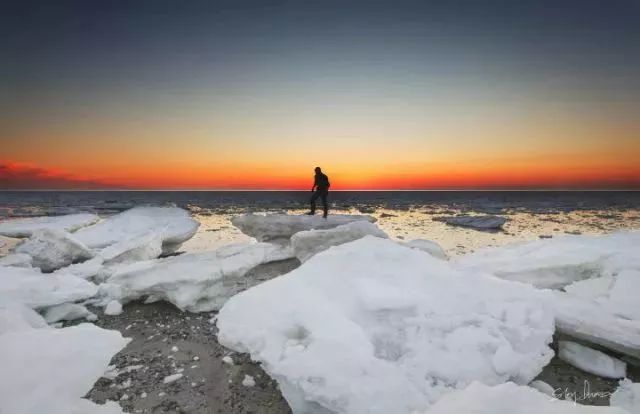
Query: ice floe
(280, 227)
(310, 242)
(68, 312)
(16, 260)
(24, 227)
(475, 222)
(371, 326)
(627, 396)
(16, 317)
(510, 398)
(38, 290)
(50, 370)
(195, 281)
(52, 249)
(591, 360)
(427, 246)
(172, 224)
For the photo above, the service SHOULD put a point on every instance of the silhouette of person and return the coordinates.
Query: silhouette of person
(320, 190)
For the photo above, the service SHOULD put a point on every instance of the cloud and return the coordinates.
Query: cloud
(20, 176)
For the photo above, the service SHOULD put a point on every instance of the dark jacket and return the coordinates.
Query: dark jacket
(322, 182)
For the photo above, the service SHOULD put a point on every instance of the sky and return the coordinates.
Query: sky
(381, 94)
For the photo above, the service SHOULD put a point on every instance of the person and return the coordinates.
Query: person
(320, 190)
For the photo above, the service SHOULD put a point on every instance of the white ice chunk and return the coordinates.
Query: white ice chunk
(248, 381)
(174, 226)
(624, 297)
(196, 282)
(24, 227)
(590, 288)
(84, 270)
(68, 312)
(16, 260)
(374, 327)
(16, 317)
(49, 370)
(590, 360)
(52, 249)
(543, 387)
(627, 396)
(427, 246)
(113, 308)
(476, 222)
(38, 290)
(510, 398)
(310, 242)
(133, 249)
(282, 226)
(557, 262)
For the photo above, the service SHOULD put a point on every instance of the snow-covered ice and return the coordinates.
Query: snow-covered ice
(280, 227)
(16, 259)
(310, 242)
(510, 398)
(591, 360)
(248, 381)
(375, 327)
(113, 308)
(476, 222)
(52, 249)
(196, 282)
(50, 370)
(557, 262)
(624, 296)
(627, 396)
(590, 288)
(24, 227)
(543, 387)
(427, 246)
(135, 248)
(38, 290)
(16, 317)
(68, 312)
(173, 225)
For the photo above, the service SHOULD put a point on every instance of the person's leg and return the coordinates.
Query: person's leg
(314, 197)
(325, 206)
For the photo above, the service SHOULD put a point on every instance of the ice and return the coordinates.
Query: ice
(427, 246)
(50, 370)
(476, 222)
(173, 225)
(195, 282)
(113, 308)
(280, 227)
(248, 381)
(627, 396)
(557, 262)
(133, 249)
(85, 270)
(590, 360)
(310, 242)
(38, 290)
(371, 326)
(624, 297)
(52, 249)
(593, 323)
(171, 378)
(510, 398)
(16, 259)
(24, 227)
(543, 387)
(16, 317)
(68, 312)
(590, 288)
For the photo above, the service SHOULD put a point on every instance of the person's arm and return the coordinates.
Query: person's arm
(315, 183)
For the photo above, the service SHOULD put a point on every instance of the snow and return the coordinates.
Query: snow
(476, 222)
(16, 259)
(172, 224)
(38, 290)
(15, 317)
(171, 378)
(113, 308)
(52, 249)
(24, 227)
(68, 312)
(427, 246)
(543, 387)
(590, 360)
(627, 396)
(50, 370)
(557, 262)
(310, 242)
(280, 227)
(510, 398)
(248, 381)
(195, 282)
(374, 327)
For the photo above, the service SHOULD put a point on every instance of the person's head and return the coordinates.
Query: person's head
(318, 170)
